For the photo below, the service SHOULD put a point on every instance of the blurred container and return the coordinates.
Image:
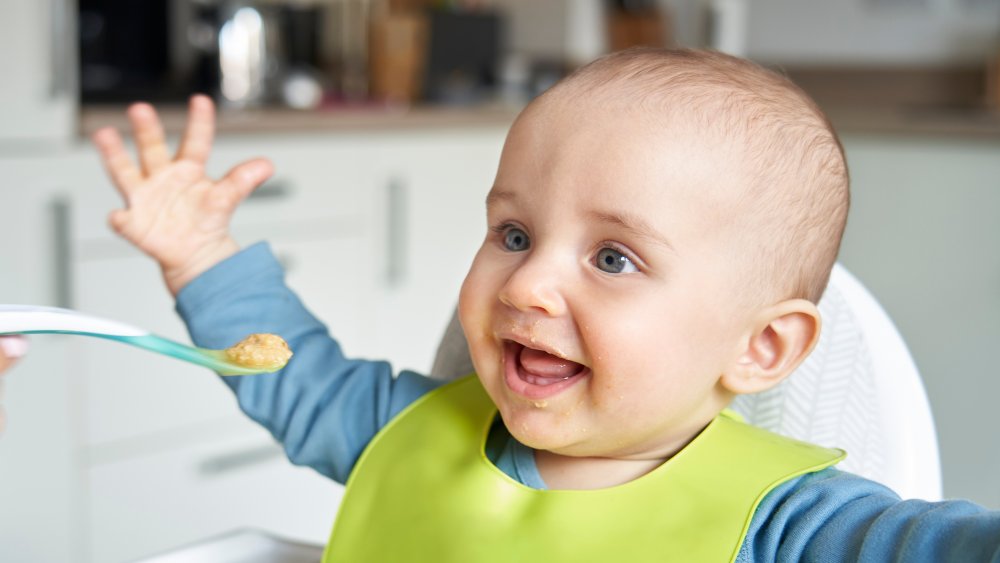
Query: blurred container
(992, 97)
(398, 56)
(250, 55)
(463, 56)
(727, 26)
(124, 51)
(255, 52)
(347, 42)
(633, 23)
(558, 32)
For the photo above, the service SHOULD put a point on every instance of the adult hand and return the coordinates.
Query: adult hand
(173, 211)
(11, 348)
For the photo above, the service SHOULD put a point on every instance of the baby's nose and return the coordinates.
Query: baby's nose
(535, 286)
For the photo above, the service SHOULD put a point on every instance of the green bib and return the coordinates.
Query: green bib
(424, 490)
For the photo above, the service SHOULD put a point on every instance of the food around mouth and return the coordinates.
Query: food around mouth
(537, 375)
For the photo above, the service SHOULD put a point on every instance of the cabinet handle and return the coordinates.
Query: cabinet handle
(62, 252)
(276, 189)
(59, 82)
(396, 229)
(215, 466)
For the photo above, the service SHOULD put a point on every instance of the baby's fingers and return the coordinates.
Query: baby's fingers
(116, 159)
(197, 141)
(244, 178)
(149, 138)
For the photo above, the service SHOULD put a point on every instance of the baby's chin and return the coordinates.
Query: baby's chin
(540, 429)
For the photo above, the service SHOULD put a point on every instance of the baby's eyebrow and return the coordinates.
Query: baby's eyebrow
(498, 194)
(632, 223)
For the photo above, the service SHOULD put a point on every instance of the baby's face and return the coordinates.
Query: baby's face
(600, 310)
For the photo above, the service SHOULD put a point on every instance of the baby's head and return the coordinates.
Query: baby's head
(661, 227)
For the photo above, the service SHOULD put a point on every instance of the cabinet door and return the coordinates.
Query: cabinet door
(38, 456)
(318, 183)
(38, 99)
(133, 397)
(434, 220)
(143, 505)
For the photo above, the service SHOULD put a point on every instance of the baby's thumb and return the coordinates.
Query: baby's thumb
(117, 220)
(247, 176)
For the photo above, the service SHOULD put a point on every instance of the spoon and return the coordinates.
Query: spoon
(34, 319)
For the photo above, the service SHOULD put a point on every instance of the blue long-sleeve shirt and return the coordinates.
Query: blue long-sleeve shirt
(325, 408)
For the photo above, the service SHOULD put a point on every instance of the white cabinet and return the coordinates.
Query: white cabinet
(434, 209)
(37, 61)
(39, 493)
(227, 480)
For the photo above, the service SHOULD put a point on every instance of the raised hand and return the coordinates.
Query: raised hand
(173, 211)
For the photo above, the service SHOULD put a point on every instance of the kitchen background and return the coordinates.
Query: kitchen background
(385, 121)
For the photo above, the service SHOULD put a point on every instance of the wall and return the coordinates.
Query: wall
(922, 235)
(870, 32)
(873, 31)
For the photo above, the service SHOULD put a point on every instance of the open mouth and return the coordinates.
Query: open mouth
(536, 374)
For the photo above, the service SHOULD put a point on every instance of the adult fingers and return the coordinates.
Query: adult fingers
(199, 131)
(12, 347)
(149, 137)
(119, 165)
(242, 179)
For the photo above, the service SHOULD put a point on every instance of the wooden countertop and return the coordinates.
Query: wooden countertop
(951, 101)
(916, 121)
(283, 120)
(946, 101)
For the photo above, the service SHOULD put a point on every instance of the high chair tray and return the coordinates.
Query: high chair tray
(241, 546)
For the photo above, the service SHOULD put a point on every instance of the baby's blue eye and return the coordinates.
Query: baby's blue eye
(515, 240)
(614, 262)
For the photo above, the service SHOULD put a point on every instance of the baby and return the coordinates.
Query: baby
(661, 227)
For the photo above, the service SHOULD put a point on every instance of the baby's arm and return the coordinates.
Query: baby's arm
(322, 407)
(833, 516)
(173, 211)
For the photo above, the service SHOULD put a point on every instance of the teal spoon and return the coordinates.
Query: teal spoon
(33, 319)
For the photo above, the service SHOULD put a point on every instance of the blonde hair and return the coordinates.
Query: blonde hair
(798, 192)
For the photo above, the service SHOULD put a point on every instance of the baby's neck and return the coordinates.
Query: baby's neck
(564, 472)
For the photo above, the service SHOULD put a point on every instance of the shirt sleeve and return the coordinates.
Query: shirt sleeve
(832, 516)
(322, 407)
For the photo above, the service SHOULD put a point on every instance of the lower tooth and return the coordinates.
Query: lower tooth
(535, 380)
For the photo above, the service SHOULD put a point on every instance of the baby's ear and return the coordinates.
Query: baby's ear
(780, 341)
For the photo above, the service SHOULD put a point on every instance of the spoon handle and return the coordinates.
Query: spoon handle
(31, 319)
(212, 359)
(25, 318)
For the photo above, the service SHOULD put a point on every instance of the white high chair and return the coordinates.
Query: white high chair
(859, 390)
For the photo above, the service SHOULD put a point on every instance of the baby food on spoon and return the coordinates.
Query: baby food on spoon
(260, 351)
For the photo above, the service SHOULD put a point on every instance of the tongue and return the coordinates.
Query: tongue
(543, 364)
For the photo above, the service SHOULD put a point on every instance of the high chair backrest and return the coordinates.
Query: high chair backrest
(858, 390)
